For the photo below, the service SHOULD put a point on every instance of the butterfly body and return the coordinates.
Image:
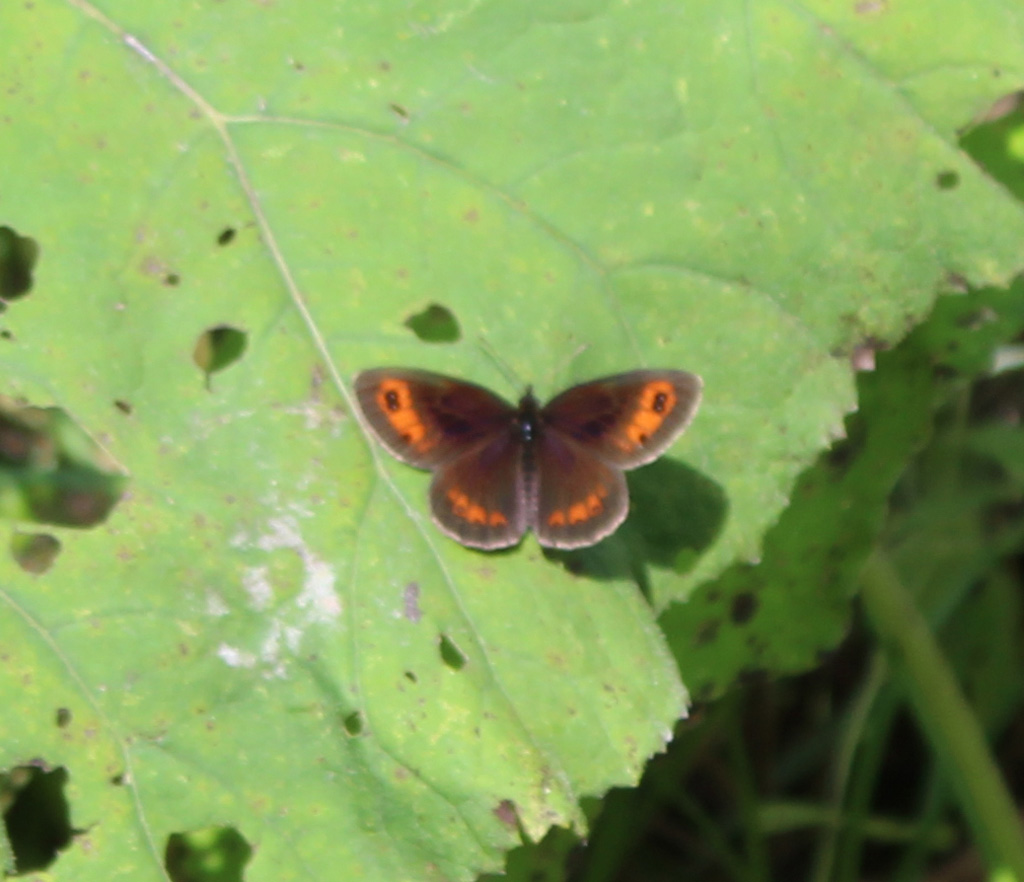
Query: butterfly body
(500, 469)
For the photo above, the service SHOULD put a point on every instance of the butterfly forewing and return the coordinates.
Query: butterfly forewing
(482, 497)
(426, 419)
(628, 419)
(580, 498)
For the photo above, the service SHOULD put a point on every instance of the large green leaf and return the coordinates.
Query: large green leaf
(268, 632)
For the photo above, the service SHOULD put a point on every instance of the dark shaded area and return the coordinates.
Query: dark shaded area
(743, 608)
(747, 790)
(675, 513)
(227, 236)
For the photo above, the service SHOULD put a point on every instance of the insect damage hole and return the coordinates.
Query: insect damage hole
(434, 324)
(451, 655)
(218, 348)
(55, 473)
(353, 723)
(34, 552)
(194, 854)
(37, 818)
(18, 257)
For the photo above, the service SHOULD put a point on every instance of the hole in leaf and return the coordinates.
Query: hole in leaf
(36, 816)
(218, 348)
(947, 180)
(51, 471)
(35, 552)
(451, 655)
(227, 236)
(18, 256)
(63, 717)
(212, 853)
(435, 324)
(353, 723)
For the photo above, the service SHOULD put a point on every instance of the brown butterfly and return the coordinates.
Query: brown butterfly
(500, 470)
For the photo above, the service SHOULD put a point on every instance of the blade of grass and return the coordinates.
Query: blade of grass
(945, 715)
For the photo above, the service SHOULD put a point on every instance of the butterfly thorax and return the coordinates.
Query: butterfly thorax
(527, 422)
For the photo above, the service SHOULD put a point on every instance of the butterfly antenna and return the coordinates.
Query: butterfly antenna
(514, 380)
(570, 358)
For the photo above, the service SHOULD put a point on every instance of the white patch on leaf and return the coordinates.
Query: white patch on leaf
(316, 603)
(234, 657)
(256, 583)
(215, 605)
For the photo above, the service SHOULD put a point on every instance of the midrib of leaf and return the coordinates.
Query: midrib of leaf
(220, 124)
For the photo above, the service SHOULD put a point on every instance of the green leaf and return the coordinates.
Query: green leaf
(262, 635)
(792, 606)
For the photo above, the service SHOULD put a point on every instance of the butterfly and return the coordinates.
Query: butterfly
(501, 469)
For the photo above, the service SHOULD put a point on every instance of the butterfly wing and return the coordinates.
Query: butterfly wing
(482, 497)
(424, 418)
(626, 420)
(580, 499)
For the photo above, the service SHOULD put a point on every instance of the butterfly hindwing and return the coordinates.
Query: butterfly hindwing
(424, 418)
(482, 498)
(627, 419)
(579, 498)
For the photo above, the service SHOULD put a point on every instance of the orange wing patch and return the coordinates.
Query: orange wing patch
(394, 399)
(473, 512)
(657, 400)
(580, 512)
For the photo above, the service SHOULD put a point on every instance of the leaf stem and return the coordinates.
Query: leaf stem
(945, 715)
